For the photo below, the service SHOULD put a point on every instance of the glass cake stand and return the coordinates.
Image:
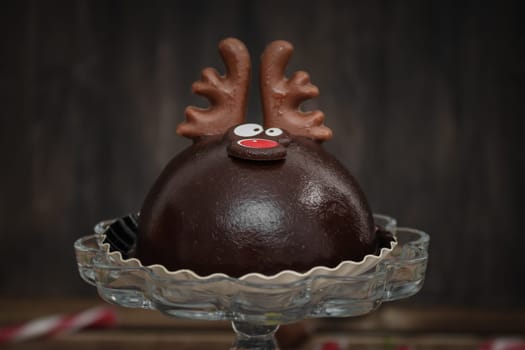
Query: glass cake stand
(257, 309)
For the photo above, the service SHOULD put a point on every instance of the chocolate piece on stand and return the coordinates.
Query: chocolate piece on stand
(245, 198)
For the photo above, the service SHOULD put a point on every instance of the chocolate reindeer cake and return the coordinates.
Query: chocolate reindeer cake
(249, 198)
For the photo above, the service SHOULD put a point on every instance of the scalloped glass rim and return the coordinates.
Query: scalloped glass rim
(346, 268)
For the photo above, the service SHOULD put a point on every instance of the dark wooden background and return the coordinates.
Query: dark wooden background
(425, 97)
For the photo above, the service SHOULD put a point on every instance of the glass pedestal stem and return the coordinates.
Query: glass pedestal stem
(254, 336)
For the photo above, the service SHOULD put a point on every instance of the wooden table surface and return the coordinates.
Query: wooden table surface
(393, 326)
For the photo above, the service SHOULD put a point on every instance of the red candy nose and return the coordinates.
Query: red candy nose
(258, 143)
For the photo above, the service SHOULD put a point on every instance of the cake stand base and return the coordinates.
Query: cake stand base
(254, 336)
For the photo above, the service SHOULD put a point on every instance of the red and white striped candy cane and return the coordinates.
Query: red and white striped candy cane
(98, 317)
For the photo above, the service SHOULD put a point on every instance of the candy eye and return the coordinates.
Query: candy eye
(273, 132)
(248, 130)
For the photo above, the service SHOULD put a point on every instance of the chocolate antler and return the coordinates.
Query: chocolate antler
(282, 97)
(227, 94)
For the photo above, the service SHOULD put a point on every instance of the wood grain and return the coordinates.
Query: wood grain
(426, 100)
(214, 341)
(389, 327)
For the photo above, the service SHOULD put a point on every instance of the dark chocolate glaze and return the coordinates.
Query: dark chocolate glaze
(210, 212)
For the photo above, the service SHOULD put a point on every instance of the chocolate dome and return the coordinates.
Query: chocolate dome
(209, 212)
(246, 198)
